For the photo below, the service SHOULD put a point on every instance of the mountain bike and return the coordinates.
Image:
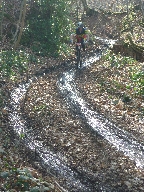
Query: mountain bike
(78, 54)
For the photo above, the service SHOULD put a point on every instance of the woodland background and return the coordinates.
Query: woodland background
(35, 34)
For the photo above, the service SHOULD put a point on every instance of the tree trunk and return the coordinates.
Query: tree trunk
(85, 5)
(89, 11)
(21, 23)
(142, 7)
(18, 24)
(1, 17)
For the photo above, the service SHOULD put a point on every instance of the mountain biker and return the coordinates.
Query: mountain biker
(80, 35)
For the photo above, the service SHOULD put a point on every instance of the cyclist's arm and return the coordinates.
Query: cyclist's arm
(86, 35)
(72, 37)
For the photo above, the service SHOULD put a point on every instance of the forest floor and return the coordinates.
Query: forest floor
(46, 108)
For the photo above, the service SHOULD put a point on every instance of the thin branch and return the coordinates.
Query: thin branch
(61, 188)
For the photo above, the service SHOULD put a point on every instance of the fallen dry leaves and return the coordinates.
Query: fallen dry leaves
(104, 88)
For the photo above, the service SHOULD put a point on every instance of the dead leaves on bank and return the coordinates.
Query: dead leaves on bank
(111, 91)
(66, 135)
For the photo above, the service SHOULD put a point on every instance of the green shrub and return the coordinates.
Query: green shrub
(21, 180)
(14, 62)
(135, 74)
(47, 27)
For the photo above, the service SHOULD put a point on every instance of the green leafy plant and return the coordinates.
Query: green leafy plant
(14, 63)
(135, 74)
(21, 180)
(47, 27)
(138, 79)
(42, 109)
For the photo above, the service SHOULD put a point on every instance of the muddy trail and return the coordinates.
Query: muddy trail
(77, 145)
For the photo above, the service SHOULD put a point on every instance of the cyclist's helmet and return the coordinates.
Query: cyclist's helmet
(80, 24)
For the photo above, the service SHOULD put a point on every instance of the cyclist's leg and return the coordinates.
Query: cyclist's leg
(76, 51)
(83, 48)
(83, 45)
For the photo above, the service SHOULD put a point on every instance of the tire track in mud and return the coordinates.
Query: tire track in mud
(75, 180)
(121, 139)
(49, 160)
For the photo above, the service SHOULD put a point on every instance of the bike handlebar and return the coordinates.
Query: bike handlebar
(78, 43)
